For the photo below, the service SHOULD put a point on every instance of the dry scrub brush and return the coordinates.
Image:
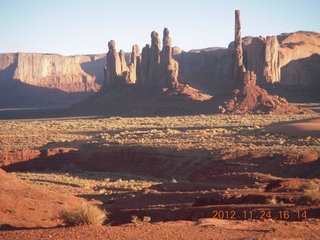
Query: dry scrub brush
(311, 193)
(86, 214)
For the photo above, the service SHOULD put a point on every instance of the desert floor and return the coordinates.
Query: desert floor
(194, 177)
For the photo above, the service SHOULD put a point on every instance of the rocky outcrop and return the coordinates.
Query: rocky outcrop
(117, 71)
(135, 64)
(248, 98)
(169, 66)
(155, 67)
(113, 70)
(252, 99)
(150, 62)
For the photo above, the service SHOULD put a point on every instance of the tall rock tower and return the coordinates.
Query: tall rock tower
(239, 68)
(112, 71)
(158, 68)
(169, 66)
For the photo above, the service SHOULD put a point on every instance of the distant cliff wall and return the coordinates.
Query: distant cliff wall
(288, 60)
(79, 73)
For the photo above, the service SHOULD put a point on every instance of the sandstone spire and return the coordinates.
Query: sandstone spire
(169, 67)
(154, 58)
(150, 62)
(116, 70)
(166, 38)
(143, 77)
(134, 66)
(248, 97)
(113, 68)
(239, 68)
(123, 62)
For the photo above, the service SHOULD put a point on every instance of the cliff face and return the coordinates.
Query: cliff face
(269, 58)
(288, 60)
(70, 74)
(207, 69)
(299, 59)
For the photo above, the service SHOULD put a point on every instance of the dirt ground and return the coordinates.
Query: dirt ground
(192, 181)
(202, 229)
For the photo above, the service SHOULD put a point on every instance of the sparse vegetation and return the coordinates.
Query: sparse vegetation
(310, 185)
(182, 132)
(86, 214)
(309, 197)
(146, 219)
(272, 200)
(136, 220)
(273, 229)
(78, 183)
(311, 193)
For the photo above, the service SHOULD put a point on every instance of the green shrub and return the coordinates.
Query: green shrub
(86, 214)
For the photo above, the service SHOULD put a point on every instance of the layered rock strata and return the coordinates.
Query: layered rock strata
(69, 74)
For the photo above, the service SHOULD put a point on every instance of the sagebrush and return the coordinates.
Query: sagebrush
(86, 214)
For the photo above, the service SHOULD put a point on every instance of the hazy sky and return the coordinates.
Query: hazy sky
(85, 26)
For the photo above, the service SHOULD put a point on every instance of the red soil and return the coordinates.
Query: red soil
(24, 205)
(203, 229)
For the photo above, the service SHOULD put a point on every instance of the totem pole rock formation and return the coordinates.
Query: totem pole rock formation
(247, 97)
(239, 68)
(169, 66)
(158, 68)
(135, 63)
(117, 71)
(155, 67)
(113, 68)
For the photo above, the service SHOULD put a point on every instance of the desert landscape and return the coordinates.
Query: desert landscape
(162, 143)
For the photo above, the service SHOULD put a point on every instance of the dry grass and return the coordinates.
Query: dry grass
(310, 185)
(311, 193)
(136, 220)
(81, 183)
(210, 132)
(86, 214)
(309, 197)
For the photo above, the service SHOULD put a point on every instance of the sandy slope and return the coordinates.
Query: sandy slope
(309, 127)
(25, 205)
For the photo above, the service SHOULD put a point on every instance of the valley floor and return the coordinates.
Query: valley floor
(178, 171)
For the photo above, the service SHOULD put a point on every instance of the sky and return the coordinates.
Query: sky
(70, 27)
